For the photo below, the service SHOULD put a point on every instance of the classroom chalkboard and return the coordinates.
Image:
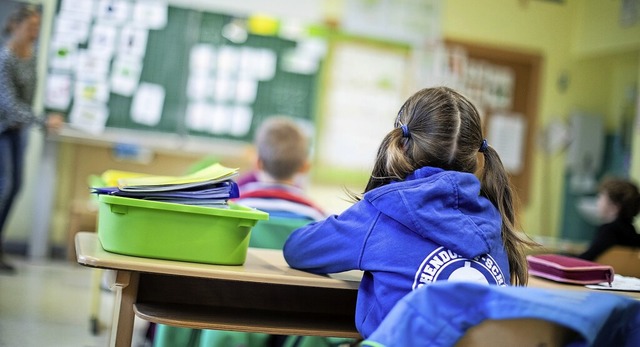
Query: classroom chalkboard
(166, 63)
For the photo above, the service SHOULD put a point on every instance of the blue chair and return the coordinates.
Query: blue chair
(273, 233)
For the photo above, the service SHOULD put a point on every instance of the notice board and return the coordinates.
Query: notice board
(196, 100)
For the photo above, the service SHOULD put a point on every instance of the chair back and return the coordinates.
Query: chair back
(272, 233)
(514, 332)
(624, 260)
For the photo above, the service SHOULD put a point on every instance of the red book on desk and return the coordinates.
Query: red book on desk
(567, 269)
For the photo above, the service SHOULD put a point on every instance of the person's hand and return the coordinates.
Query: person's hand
(54, 122)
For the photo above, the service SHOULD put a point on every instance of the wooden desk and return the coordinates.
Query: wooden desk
(263, 295)
(537, 282)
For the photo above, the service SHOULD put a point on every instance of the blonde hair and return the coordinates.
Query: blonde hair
(282, 147)
(439, 127)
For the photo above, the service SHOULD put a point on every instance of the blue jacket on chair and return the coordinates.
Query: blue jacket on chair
(440, 314)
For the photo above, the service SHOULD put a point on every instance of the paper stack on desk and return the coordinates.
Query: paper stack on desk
(211, 186)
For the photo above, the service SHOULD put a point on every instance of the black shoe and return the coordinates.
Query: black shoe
(6, 268)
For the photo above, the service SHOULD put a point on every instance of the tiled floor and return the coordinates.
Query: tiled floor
(47, 303)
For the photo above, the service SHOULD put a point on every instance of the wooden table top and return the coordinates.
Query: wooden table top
(261, 265)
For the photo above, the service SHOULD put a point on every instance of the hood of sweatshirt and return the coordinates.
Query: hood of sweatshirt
(444, 207)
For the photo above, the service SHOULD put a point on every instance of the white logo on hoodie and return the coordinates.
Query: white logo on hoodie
(445, 265)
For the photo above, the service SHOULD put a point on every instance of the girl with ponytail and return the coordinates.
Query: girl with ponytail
(438, 206)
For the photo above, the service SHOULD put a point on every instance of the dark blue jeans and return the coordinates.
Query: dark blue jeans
(12, 147)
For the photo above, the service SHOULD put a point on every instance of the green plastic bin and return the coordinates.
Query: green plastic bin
(164, 230)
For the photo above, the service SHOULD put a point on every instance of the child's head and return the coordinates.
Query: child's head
(435, 127)
(283, 148)
(439, 127)
(618, 198)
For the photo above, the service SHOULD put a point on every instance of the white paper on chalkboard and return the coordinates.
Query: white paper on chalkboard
(150, 14)
(132, 41)
(92, 92)
(91, 118)
(241, 120)
(91, 66)
(58, 92)
(114, 11)
(125, 75)
(147, 105)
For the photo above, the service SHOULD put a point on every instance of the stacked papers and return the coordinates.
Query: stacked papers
(212, 174)
(212, 186)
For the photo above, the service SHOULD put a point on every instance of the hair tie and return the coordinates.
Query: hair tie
(483, 146)
(405, 131)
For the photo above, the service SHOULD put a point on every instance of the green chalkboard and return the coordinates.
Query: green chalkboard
(167, 63)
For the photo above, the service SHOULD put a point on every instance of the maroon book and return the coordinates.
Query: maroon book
(568, 269)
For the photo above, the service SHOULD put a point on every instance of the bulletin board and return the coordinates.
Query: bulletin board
(168, 68)
(515, 120)
(360, 104)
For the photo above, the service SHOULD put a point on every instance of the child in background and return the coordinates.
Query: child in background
(618, 204)
(283, 156)
(424, 215)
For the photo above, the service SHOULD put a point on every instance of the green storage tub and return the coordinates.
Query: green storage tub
(164, 230)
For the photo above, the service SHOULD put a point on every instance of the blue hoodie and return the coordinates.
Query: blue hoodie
(432, 226)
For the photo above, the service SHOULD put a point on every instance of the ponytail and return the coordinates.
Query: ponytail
(391, 163)
(496, 187)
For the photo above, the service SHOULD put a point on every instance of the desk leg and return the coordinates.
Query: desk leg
(126, 287)
(39, 238)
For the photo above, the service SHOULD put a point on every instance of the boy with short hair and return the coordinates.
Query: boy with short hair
(283, 156)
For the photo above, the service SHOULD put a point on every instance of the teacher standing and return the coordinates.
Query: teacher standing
(17, 88)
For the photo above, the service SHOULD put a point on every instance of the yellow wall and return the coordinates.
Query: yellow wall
(601, 84)
(635, 149)
(599, 35)
(598, 29)
(625, 85)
